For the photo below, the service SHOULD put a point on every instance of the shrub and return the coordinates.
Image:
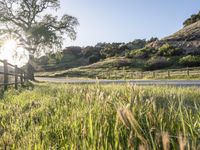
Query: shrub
(190, 61)
(194, 18)
(168, 50)
(152, 39)
(141, 53)
(111, 50)
(93, 59)
(136, 44)
(157, 63)
(90, 50)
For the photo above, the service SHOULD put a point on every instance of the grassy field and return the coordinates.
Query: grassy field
(123, 68)
(52, 116)
(124, 73)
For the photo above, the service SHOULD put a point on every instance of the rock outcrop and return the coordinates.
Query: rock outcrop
(187, 39)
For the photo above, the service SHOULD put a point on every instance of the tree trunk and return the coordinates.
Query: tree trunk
(30, 68)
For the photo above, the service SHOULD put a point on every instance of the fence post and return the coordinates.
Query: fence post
(154, 74)
(168, 73)
(141, 74)
(24, 76)
(188, 72)
(21, 78)
(5, 64)
(124, 73)
(16, 77)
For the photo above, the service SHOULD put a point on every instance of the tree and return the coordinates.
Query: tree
(93, 59)
(152, 39)
(111, 49)
(37, 31)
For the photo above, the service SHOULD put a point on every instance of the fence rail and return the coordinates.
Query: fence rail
(157, 74)
(12, 70)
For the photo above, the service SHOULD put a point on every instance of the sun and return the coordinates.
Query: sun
(12, 53)
(10, 45)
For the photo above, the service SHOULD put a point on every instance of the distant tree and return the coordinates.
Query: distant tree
(136, 44)
(75, 50)
(152, 39)
(194, 18)
(100, 45)
(93, 59)
(90, 50)
(34, 29)
(111, 49)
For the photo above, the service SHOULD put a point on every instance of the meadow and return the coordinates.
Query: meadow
(67, 116)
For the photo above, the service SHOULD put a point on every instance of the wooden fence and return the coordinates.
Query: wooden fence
(10, 70)
(158, 74)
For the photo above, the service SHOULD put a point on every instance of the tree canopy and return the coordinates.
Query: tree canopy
(28, 22)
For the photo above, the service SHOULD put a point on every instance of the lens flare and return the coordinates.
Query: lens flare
(13, 54)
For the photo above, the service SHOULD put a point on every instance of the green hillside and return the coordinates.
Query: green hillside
(180, 50)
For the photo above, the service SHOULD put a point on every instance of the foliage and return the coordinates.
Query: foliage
(36, 31)
(190, 61)
(100, 50)
(111, 49)
(168, 50)
(194, 18)
(136, 44)
(157, 63)
(28, 22)
(152, 39)
(141, 53)
(90, 50)
(93, 59)
(97, 116)
(119, 49)
(74, 50)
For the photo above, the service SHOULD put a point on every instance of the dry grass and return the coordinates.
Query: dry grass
(53, 116)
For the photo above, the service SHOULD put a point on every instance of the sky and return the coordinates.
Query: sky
(126, 20)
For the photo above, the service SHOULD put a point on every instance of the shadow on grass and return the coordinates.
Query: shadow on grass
(28, 85)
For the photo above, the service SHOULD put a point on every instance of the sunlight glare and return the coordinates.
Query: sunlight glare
(13, 54)
(10, 45)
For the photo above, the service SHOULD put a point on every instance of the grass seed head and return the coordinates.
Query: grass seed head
(165, 140)
(182, 142)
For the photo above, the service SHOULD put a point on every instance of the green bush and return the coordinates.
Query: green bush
(111, 50)
(93, 59)
(141, 53)
(157, 63)
(168, 50)
(190, 61)
(90, 51)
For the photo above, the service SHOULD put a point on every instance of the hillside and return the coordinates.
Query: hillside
(70, 57)
(97, 69)
(179, 50)
(187, 39)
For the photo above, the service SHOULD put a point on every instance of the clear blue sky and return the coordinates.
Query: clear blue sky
(126, 20)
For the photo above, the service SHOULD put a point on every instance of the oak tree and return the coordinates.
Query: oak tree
(34, 28)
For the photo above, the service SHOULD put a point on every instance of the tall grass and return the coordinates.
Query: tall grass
(53, 116)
